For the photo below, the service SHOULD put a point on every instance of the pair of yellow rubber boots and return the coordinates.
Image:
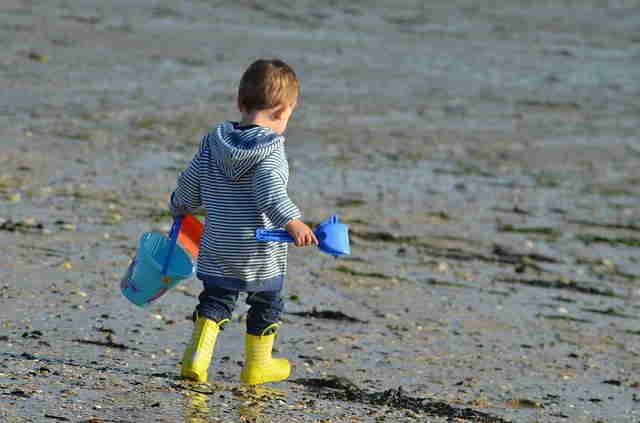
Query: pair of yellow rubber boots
(259, 365)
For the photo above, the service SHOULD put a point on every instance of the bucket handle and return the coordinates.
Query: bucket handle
(173, 237)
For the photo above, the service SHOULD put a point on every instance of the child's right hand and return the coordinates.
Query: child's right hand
(301, 233)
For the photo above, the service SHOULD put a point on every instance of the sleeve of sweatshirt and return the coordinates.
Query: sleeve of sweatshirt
(186, 198)
(270, 189)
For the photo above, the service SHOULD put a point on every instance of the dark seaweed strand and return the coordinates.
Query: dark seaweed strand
(569, 286)
(337, 388)
(502, 253)
(326, 314)
(398, 399)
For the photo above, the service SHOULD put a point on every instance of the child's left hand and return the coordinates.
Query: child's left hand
(301, 233)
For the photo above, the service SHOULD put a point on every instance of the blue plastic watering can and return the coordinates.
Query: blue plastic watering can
(159, 265)
(333, 236)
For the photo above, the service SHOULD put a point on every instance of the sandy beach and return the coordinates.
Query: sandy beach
(484, 154)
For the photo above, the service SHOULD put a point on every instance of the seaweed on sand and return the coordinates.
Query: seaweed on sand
(507, 256)
(108, 343)
(610, 312)
(536, 230)
(327, 314)
(500, 254)
(625, 226)
(559, 284)
(352, 272)
(563, 317)
(342, 389)
(22, 227)
(593, 239)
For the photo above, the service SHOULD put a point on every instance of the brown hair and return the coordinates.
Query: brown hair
(266, 84)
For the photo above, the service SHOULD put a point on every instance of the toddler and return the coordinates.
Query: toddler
(239, 177)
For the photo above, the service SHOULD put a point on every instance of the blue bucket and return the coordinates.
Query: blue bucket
(158, 266)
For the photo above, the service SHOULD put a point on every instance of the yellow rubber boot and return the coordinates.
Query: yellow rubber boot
(199, 352)
(259, 366)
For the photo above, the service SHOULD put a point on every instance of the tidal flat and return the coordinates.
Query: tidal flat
(484, 154)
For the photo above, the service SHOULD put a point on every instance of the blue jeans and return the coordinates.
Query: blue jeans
(218, 304)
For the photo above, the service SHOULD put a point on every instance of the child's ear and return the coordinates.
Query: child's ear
(278, 112)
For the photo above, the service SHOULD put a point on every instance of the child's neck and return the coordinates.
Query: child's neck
(259, 118)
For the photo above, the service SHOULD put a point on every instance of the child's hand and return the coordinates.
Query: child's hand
(302, 234)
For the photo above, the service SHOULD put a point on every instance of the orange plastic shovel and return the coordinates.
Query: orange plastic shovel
(190, 234)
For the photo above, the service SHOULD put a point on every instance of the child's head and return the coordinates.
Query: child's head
(267, 84)
(268, 94)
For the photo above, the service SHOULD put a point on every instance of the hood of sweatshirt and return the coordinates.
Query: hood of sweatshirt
(236, 151)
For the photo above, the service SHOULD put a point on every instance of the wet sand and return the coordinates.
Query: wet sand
(485, 156)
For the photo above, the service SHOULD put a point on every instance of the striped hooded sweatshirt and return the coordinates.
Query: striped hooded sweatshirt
(239, 176)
